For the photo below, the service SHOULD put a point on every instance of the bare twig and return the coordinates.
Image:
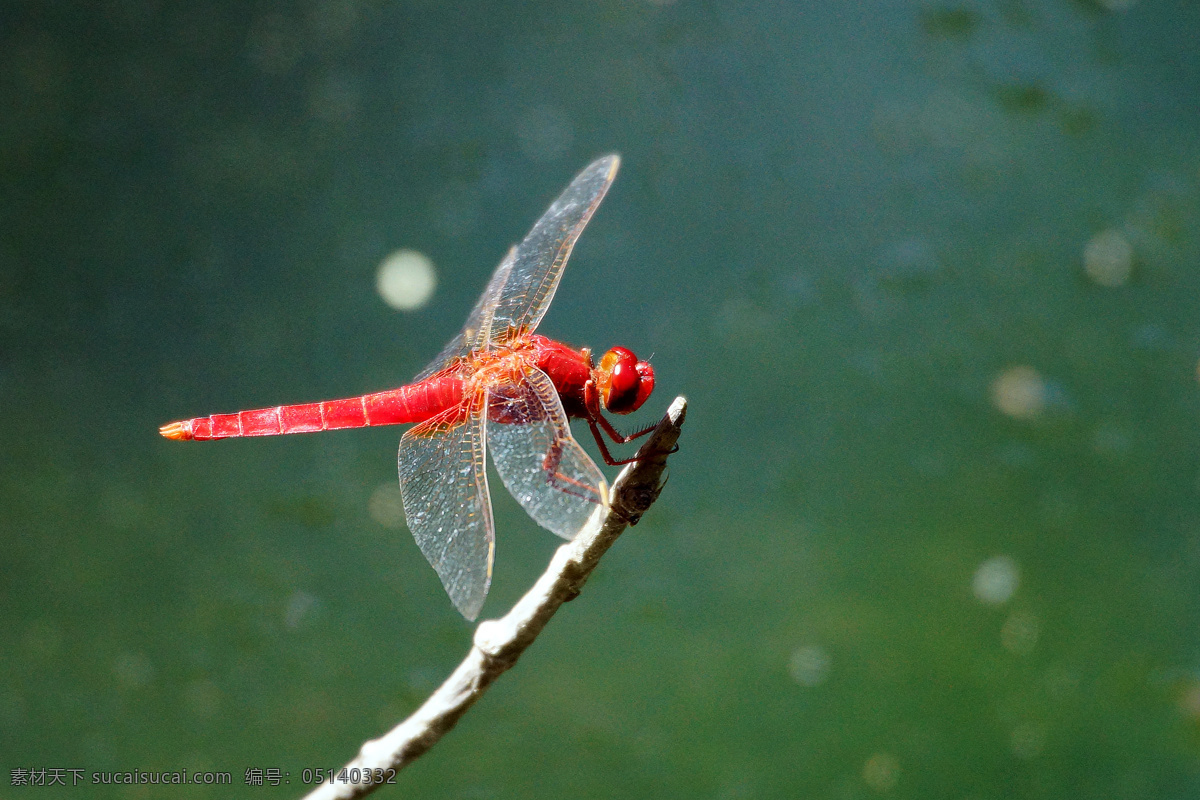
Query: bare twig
(499, 643)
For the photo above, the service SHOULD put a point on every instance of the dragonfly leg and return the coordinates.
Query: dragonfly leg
(608, 457)
(619, 437)
(616, 462)
(597, 421)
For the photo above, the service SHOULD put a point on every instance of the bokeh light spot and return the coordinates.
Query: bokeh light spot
(406, 280)
(133, 670)
(1027, 740)
(203, 698)
(1020, 392)
(809, 665)
(1108, 258)
(1189, 700)
(996, 580)
(881, 772)
(386, 506)
(301, 607)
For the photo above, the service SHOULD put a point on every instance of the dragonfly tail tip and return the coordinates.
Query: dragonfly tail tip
(176, 430)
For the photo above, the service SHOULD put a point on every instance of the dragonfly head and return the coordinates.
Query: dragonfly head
(624, 382)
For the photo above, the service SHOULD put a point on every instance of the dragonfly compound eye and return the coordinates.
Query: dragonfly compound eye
(625, 382)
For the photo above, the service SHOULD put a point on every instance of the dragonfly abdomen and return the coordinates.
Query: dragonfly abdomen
(415, 402)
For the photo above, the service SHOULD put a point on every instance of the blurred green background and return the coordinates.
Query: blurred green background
(927, 273)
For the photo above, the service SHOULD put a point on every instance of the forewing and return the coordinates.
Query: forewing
(541, 256)
(541, 464)
(446, 502)
(524, 283)
(478, 321)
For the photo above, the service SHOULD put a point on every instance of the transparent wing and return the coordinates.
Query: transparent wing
(446, 502)
(541, 256)
(541, 464)
(523, 285)
(478, 321)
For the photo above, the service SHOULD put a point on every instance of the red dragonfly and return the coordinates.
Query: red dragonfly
(496, 386)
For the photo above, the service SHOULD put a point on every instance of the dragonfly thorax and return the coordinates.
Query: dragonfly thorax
(503, 363)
